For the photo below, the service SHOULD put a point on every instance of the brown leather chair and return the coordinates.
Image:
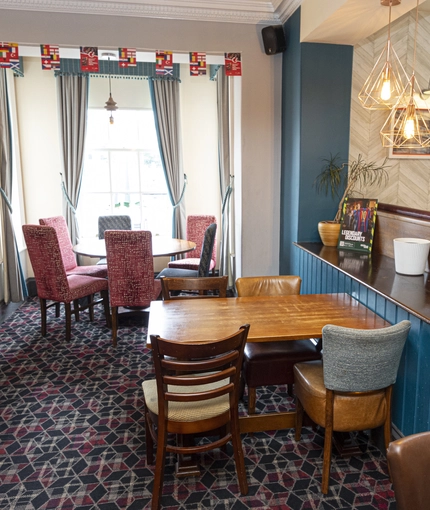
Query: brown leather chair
(352, 389)
(195, 391)
(271, 363)
(409, 463)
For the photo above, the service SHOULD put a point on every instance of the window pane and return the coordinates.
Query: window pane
(147, 132)
(97, 129)
(125, 171)
(157, 214)
(95, 176)
(124, 132)
(152, 173)
(91, 206)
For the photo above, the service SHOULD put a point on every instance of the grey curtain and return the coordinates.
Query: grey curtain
(72, 107)
(226, 264)
(14, 285)
(165, 104)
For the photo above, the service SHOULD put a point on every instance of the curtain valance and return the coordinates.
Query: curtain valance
(142, 71)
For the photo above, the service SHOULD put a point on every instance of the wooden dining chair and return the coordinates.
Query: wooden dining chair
(195, 287)
(352, 389)
(271, 363)
(67, 253)
(195, 391)
(196, 227)
(54, 284)
(130, 272)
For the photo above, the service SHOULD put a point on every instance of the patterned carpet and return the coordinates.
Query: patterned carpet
(72, 434)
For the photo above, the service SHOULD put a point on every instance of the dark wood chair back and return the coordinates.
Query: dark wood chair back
(196, 287)
(195, 393)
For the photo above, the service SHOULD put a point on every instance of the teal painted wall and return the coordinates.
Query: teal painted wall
(316, 101)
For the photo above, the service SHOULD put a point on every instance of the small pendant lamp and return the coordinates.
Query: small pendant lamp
(110, 104)
(386, 82)
(408, 124)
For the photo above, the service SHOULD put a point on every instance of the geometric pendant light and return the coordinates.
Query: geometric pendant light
(408, 124)
(387, 80)
(110, 104)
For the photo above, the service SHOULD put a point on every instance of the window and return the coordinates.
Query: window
(123, 173)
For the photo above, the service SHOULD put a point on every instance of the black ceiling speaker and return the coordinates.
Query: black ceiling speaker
(274, 39)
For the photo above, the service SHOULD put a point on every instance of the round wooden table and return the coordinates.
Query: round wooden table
(161, 247)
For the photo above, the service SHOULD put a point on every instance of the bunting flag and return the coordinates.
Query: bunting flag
(233, 64)
(50, 57)
(9, 57)
(127, 57)
(89, 59)
(163, 63)
(197, 63)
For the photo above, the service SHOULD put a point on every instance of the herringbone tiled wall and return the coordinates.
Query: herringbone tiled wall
(409, 179)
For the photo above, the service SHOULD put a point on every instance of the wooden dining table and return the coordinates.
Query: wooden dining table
(271, 318)
(162, 246)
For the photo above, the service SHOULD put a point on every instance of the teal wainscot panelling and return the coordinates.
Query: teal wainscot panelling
(411, 397)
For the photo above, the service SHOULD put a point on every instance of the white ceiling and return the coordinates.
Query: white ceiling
(234, 11)
(331, 21)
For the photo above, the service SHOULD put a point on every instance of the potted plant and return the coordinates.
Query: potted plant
(343, 179)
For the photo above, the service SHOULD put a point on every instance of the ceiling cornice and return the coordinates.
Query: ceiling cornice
(236, 11)
(286, 8)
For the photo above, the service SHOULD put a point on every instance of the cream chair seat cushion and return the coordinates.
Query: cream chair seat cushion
(188, 411)
(367, 412)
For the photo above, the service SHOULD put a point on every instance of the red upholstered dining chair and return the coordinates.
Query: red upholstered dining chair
(67, 253)
(195, 392)
(272, 363)
(196, 228)
(53, 284)
(130, 272)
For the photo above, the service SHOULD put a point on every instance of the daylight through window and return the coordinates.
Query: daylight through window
(123, 173)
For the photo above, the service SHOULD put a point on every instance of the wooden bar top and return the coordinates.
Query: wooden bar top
(378, 273)
(271, 318)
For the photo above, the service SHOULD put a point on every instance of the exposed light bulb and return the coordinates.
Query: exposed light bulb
(386, 90)
(111, 119)
(386, 83)
(409, 128)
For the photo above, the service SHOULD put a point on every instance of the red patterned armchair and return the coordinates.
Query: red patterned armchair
(130, 271)
(53, 284)
(196, 228)
(67, 253)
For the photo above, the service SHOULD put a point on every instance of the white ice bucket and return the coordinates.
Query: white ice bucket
(410, 255)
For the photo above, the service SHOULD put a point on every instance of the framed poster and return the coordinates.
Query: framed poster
(413, 149)
(357, 226)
